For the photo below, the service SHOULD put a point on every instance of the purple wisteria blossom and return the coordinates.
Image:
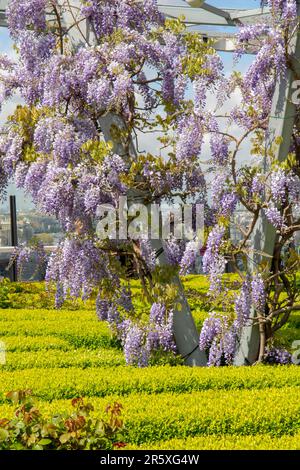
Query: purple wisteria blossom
(213, 261)
(211, 328)
(219, 337)
(219, 150)
(277, 356)
(135, 348)
(258, 293)
(148, 254)
(274, 217)
(243, 304)
(174, 250)
(190, 254)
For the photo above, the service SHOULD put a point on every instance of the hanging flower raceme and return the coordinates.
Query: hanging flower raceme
(141, 340)
(30, 253)
(213, 260)
(277, 356)
(243, 304)
(258, 293)
(78, 266)
(189, 256)
(219, 338)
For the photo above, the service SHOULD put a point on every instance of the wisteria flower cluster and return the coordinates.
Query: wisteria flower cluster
(221, 333)
(277, 356)
(140, 340)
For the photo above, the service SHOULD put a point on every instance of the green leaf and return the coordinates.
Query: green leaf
(44, 442)
(4, 434)
(65, 437)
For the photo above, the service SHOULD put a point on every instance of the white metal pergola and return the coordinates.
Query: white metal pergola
(200, 14)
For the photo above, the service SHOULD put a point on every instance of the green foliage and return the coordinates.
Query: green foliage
(23, 120)
(78, 431)
(61, 354)
(61, 358)
(157, 418)
(194, 63)
(23, 343)
(99, 381)
(32, 295)
(94, 335)
(226, 442)
(97, 150)
(7, 289)
(234, 412)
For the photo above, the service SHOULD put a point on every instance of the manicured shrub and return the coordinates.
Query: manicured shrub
(151, 419)
(59, 357)
(34, 343)
(54, 383)
(226, 442)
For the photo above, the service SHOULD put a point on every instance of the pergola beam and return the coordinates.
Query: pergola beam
(197, 16)
(208, 15)
(212, 16)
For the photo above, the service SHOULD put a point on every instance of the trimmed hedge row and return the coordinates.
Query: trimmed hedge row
(65, 383)
(63, 359)
(92, 335)
(64, 354)
(32, 343)
(58, 326)
(249, 412)
(24, 315)
(217, 442)
(275, 412)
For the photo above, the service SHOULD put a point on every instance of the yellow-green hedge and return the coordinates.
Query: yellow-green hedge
(82, 329)
(63, 354)
(65, 383)
(217, 442)
(33, 343)
(53, 358)
(150, 419)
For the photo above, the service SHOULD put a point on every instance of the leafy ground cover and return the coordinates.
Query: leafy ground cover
(69, 353)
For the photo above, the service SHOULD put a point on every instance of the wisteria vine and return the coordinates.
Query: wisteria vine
(139, 66)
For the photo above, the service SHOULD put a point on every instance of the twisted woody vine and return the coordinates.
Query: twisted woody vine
(160, 80)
